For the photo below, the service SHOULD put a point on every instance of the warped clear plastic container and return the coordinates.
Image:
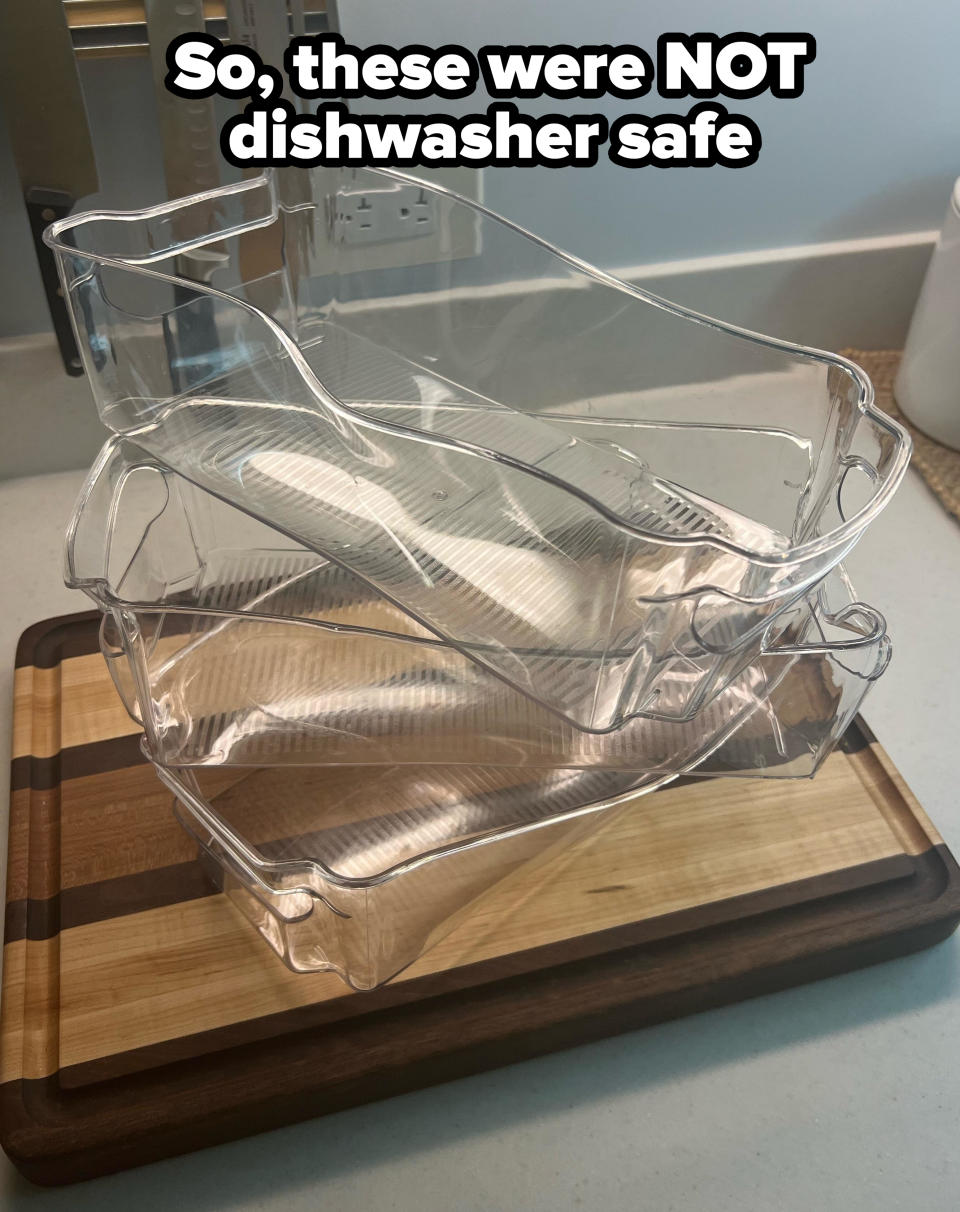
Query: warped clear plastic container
(407, 855)
(361, 869)
(232, 645)
(594, 494)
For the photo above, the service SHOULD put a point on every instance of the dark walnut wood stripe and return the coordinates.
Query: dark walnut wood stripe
(136, 893)
(36, 773)
(98, 757)
(857, 737)
(52, 641)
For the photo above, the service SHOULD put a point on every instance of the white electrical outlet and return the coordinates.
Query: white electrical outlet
(395, 212)
(400, 225)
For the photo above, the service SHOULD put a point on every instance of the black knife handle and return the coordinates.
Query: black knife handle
(43, 207)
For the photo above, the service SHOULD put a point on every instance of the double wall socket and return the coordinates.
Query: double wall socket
(401, 225)
(394, 212)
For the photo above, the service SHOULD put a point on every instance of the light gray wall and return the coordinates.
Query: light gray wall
(122, 115)
(870, 148)
(126, 141)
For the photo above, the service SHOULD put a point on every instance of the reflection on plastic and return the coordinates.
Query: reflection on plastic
(529, 458)
(233, 652)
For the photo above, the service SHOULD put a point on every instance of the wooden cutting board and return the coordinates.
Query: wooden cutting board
(143, 1017)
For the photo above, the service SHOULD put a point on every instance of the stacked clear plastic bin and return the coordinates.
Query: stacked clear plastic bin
(416, 566)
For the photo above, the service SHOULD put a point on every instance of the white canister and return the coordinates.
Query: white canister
(927, 387)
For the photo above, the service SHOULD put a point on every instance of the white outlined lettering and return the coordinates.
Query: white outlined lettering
(264, 136)
(735, 65)
(326, 68)
(706, 137)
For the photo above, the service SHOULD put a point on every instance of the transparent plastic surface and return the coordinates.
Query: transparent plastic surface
(535, 461)
(360, 869)
(404, 853)
(232, 652)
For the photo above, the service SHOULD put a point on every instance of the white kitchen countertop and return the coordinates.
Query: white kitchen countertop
(842, 1094)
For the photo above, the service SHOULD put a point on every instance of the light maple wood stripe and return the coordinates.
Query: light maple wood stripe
(13, 1063)
(29, 1042)
(891, 794)
(162, 974)
(36, 712)
(118, 823)
(96, 712)
(23, 709)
